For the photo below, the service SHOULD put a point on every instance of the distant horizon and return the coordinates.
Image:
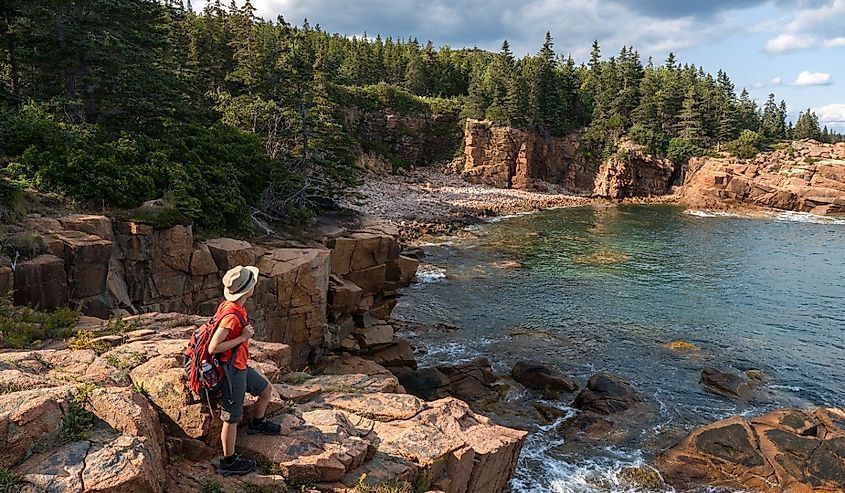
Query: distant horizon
(773, 46)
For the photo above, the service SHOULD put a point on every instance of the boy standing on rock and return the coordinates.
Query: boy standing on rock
(231, 342)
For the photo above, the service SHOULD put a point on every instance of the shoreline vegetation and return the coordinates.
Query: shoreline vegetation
(245, 123)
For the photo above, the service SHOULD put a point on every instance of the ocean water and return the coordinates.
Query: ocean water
(605, 288)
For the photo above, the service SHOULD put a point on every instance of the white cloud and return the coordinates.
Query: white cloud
(812, 25)
(834, 43)
(832, 114)
(806, 78)
(790, 42)
(775, 82)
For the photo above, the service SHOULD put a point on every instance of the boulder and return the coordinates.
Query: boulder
(343, 296)
(290, 300)
(357, 382)
(30, 420)
(607, 394)
(59, 366)
(373, 333)
(427, 383)
(471, 381)
(725, 383)
(541, 377)
(632, 173)
(131, 414)
(7, 280)
(121, 465)
(396, 354)
(41, 282)
(323, 446)
(228, 253)
(162, 377)
(347, 363)
(786, 450)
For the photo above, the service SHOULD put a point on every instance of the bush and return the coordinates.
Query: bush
(22, 325)
(84, 339)
(213, 172)
(654, 142)
(748, 145)
(77, 423)
(681, 150)
(9, 480)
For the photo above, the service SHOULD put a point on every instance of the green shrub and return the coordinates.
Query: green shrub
(654, 142)
(23, 325)
(9, 480)
(213, 172)
(748, 145)
(10, 388)
(681, 150)
(77, 423)
(84, 339)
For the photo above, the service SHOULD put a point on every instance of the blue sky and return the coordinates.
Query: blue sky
(795, 49)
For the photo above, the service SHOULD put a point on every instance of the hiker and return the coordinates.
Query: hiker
(232, 336)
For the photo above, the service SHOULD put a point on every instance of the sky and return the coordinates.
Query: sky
(795, 49)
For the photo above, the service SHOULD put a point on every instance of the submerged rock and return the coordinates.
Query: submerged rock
(725, 383)
(792, 450)
(607, 394)
(541, 377)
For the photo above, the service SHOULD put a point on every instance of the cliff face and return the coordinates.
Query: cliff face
(804, 176)
(306, 296)
(506, 157)
(405, 140)
(631, 173)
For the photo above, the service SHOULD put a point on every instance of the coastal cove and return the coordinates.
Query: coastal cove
(608, 288)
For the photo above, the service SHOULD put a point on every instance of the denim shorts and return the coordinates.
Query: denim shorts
(242, 381)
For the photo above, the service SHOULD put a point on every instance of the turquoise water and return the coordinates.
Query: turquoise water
(605, 288)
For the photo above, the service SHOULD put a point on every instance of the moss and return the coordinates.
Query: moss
(296, 378)
(390, 487)
(138, 387)
(811, 160)
(681, 346)
(126, 363)
(9, 388)
(209, 485)
(157, 217)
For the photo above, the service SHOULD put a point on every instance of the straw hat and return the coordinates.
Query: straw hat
(239, 281)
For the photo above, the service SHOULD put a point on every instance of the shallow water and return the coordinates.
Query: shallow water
(604, 288)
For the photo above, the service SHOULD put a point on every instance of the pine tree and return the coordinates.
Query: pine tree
(689, 120)
(807, 127)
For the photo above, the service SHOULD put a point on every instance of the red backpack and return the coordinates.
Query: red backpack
(204, 371)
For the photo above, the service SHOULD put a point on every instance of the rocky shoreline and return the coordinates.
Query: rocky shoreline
(497, 176)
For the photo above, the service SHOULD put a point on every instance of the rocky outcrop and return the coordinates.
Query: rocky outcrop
(306, 298)
(804, 176)
(792, 450)
(471, 381)
(154, 436)
(404, 140)
(506, 157)
(632, 173)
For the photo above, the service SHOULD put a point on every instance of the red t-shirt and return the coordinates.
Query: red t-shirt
(233, 323)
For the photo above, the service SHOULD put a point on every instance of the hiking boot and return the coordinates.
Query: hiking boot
(266, 427)
(237, 467)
